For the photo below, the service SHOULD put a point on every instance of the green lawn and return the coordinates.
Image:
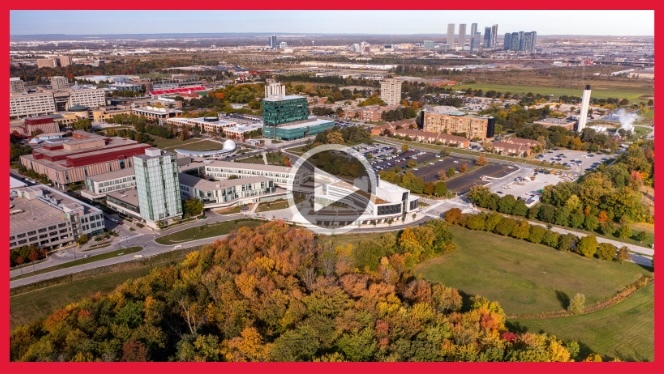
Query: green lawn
(37, 300)
(272, 205)
(204, 145)
(30, 306)
(163, 143)
(252, 160)
(624, 330)
(632, 94)
(82, 261)
(524, 277)
(206, 231)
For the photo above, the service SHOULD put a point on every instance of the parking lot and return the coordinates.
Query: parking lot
(401, 160)
(577, 161)
(430, 172)
(480, 177)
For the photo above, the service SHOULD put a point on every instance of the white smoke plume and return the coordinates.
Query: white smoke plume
(626, 119)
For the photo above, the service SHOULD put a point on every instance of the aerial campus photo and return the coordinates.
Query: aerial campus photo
(331, 186)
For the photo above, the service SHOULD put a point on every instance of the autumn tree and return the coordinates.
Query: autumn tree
(622, 255)
(587, 246)
(606, 251)
(481, 161)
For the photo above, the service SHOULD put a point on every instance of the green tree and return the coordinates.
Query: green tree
(577, 304)
(537, 234)
(476, 222)
(591, 223)
(547, 213)
(551, 238)
(506, 204)
(83, 239)
(192, 207)
(640, 236)
(450, 172)
(624, 232)
(567, 242)
(587, 246)
(606, 251)
(505, 226)
(440, 189)
(82, 124)
(521, 230)
(520, 208)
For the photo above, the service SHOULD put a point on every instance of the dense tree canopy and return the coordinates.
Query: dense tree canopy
(274, 293)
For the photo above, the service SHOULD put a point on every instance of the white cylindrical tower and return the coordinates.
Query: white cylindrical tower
(585, 103)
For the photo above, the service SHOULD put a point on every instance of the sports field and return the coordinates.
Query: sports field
(629, 93)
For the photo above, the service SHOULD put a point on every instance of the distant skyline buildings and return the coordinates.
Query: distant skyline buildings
(450, 36)
(548, 22)
(520, 41)
(462, 35)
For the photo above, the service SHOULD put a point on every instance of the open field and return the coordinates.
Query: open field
(272, 205)
(600, 91)
(34, 301)
(82, 261)
(525, 277)
(624, 330)
(206, 231)
(252, 160)
(163, 143)
(204, 145)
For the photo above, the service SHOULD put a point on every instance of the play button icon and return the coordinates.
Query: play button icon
(333, 189)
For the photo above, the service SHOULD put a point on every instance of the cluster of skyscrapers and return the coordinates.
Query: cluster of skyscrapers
(520, 41)
(475, 37)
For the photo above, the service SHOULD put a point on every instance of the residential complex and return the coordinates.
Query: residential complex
(48, 218)
(520, 41)
(455, 122)
(390, 91)
(158, 187)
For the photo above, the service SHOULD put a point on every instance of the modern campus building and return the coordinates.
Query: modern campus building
(16, 85)
(158, 187)
(45, 125)
(23, 104)
(390, 91)
(59, 83)
(47, 218)
(159, 115)
(287, 116)
(230, 129)
(444, 120)
(97, 186)
(229, 192)
(82, 155)
(281, 175)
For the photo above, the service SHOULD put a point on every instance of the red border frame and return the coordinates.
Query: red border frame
(98, 368)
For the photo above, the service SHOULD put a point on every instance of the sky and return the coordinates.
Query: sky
(558, 22)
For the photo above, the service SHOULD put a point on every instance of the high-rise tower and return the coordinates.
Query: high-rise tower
(585, 103)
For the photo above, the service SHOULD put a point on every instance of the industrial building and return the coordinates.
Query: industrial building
(47, 218)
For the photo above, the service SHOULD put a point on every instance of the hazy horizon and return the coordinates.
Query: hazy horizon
(113, 22)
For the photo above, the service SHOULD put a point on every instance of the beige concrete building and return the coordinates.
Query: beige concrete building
(46, 63)
(16, 85)
(390, 91)
(34, 104)
(455, 122)
(59, 83)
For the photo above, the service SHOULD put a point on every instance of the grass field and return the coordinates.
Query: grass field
(630, 93)
(624, 330)
(34, 301)
(163, 143)
(272, 205)
(525, 277)
(252, 160)
(232, 210)
(82, 261)
(206, 231)
(203, 145)
(30, 306)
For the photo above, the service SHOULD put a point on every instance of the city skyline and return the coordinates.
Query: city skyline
(557, 22)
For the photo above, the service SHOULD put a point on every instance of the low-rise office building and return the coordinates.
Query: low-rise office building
(229, 192)
(97, 186)
(159, 115)
(47, 218)
(125, 202)
(281, 175)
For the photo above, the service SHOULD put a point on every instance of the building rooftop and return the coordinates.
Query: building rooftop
(129, 196)
(113, 175)
(310, 122)
(286, 97)
(206, 185)
(42, 211)
(197, 163)
(555, 121)
(443, 109)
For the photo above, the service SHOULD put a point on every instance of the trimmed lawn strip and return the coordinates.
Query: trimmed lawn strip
(272, 205)
(206, 231)
(103, 256)
(624, 330)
